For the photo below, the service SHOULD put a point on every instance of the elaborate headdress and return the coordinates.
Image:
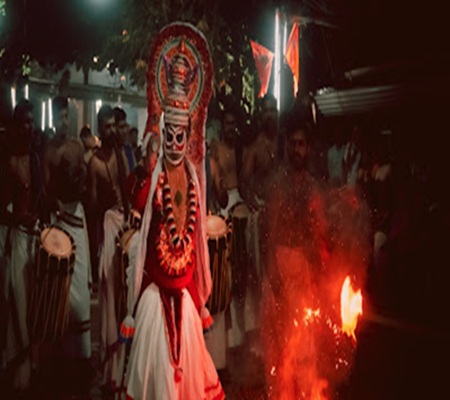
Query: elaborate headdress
(179, 83)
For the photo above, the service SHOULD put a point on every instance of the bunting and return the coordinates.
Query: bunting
(263, 60)
(293, 56)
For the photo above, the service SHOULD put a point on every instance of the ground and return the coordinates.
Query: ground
(394, 360)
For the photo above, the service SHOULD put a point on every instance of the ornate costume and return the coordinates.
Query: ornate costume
(169, 279)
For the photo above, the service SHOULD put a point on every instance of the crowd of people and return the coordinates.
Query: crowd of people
(90, 190)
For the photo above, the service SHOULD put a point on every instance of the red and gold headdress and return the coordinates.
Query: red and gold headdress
(179, 83)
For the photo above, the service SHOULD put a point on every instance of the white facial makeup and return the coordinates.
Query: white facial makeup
(174, 143)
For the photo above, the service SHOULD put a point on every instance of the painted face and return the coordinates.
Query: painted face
(175, 138)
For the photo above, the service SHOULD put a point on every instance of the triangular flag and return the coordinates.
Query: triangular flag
(263, 60)
(293, 56)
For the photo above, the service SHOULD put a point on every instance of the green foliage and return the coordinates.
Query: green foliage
(226, 33)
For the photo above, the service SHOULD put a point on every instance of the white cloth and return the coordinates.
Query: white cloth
(234, 198)
(335, 163)
(17, 291)
(216, 340)
(352, 156)
(113, 223)
(77, 340)
(243, 313)
(150, 373)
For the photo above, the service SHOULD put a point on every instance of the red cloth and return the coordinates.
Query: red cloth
(138, 189)
(263, 60)
(293, 56)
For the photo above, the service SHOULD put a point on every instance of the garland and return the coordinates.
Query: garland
(174, 249)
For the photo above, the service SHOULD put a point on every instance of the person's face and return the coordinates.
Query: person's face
(269, 115)
(297, 149)
(107, 128)
(229, 128)
(175, 143)
(122, 129)
(26, 125)
(61, 121)
(134, 137)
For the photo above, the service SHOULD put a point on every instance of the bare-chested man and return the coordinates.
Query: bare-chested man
(64, 173)
(107, 172)
(259, 162)
(223, 161)
(261, 157)
(20, 191)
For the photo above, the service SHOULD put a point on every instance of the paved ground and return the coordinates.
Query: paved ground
(394, 360)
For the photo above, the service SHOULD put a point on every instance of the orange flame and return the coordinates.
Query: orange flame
(318, 390)
(351, 308)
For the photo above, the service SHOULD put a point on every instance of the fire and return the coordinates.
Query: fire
(311, 315)
(318, 390)
(351, 308)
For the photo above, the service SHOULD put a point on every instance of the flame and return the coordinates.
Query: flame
(318, 389)
(351, 308)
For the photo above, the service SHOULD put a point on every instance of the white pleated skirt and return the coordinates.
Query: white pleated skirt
(150, 374)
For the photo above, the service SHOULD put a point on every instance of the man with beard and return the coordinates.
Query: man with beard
(261, 157)
(259, 162)
(64, 173)
(109, 210)
(294, 253)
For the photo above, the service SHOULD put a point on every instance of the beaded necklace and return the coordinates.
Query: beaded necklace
(174, 249)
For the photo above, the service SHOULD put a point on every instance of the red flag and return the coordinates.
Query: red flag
(293, 56)
(263, 60)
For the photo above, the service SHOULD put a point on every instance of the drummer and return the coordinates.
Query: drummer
(224, 161)
(108, 201)
(64, 173)
(20, 191)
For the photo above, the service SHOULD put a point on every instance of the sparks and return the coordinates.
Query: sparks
(310, 315)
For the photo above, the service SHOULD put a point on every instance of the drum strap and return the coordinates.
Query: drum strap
(71, 220)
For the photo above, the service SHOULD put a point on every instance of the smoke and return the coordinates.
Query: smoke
(316, 238)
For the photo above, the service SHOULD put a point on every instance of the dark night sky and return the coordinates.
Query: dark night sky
(369, 32)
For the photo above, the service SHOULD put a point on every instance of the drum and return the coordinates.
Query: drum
(217, 232)
(121, 262)
(240, 260)
(49, 307)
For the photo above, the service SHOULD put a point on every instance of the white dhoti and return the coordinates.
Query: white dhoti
(17, 280)
(109, 345)
(216, 339)
(77, 340)
(150, 373)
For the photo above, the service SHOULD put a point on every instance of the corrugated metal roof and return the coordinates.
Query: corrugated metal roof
(369, 99)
